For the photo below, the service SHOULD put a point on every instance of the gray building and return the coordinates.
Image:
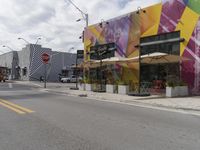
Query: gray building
(27, 64)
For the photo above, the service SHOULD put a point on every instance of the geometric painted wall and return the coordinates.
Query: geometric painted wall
(164, 17)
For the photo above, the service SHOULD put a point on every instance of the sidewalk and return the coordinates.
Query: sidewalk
(183, 103)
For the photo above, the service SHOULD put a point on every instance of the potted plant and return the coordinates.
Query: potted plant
(174, 89)
(171, 91)
(88, 85)
(81, 85)
(95, 85)
(183, 89)
(111, 87)
(123, 87)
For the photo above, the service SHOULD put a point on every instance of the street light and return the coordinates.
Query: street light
(8, 47)
(85, 16)
(29, 42)
(37, 40)
(139, 10)
(23, 40)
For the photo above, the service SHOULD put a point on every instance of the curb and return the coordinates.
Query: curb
(127, 101)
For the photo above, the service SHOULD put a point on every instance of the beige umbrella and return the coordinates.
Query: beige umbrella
(160, 58)
(114, 60)
(107, 61)
(153, 58)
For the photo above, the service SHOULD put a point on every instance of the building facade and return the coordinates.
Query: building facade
(27, 64)
(165, 21)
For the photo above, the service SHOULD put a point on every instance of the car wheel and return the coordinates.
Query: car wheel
(68, 81)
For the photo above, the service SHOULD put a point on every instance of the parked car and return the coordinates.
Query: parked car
(71, 79)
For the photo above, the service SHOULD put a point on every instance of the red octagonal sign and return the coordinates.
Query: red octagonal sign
(45, 58)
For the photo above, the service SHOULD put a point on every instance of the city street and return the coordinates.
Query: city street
(34, 119)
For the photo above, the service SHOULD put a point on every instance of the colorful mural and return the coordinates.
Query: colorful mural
(167, 16)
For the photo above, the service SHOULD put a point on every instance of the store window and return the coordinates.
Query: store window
(158, 74)
(156, 46)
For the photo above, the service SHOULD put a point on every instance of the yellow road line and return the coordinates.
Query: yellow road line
(12, 108)
(26, 110)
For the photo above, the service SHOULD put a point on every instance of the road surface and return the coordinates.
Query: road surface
(33, 119)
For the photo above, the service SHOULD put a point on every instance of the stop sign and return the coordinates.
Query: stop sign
(45, 58)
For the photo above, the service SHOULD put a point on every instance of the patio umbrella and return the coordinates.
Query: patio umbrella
(114, 60)
(104, 62)
(161, 58)
(153, 58)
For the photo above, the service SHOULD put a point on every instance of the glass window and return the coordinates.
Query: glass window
(170, 48)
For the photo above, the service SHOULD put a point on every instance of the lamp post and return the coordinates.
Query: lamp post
(5, 46)
(29, 42)
(85, 16)
(8, 47)
(139, 10)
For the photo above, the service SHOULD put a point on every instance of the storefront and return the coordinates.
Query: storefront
(170, 27)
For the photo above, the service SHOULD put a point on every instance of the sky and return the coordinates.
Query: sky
(54, 21)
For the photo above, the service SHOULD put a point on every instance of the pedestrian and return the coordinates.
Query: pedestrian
(41, 79)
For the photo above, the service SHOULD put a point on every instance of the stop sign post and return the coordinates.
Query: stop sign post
(45, 59)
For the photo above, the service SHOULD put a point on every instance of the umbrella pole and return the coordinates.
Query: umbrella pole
(139, 84)
(101, 86)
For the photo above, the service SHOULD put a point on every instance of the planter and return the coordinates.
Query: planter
(177, 91)
(123, 89)
(111, 88)
(88, 87)
(81, 86)
(95, 87)
(171, 91)
(183, 91)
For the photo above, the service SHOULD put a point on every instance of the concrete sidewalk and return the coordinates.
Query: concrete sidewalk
(182, 103)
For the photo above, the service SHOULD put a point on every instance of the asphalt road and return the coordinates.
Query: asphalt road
(60, 122)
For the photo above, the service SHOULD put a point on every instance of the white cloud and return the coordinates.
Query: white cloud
(55, 20)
